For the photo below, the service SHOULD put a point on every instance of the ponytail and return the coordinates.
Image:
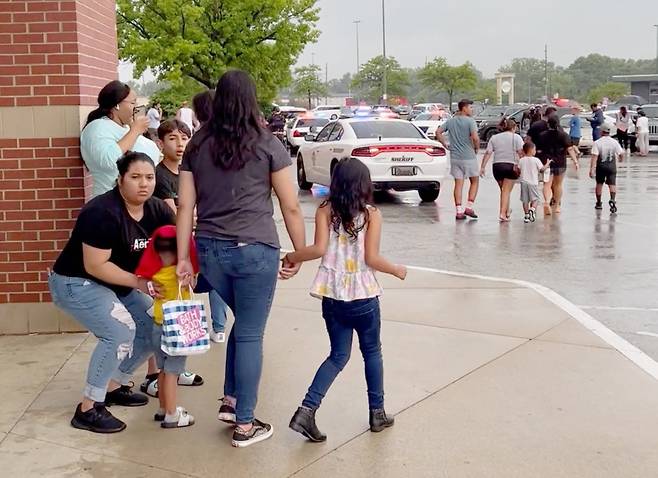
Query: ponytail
(110, 96)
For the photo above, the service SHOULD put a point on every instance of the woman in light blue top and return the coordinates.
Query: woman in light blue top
(111, 130)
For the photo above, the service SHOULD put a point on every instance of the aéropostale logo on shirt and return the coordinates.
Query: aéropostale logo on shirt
(140, 244)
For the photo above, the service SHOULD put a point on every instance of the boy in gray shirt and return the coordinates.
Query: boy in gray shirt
(464, 145)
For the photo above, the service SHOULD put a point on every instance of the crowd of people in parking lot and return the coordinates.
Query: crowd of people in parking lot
(534, 149)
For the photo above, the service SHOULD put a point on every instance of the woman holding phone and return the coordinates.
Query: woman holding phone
(111, 130)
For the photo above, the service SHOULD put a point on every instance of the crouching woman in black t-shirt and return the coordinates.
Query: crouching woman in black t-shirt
(93, 281)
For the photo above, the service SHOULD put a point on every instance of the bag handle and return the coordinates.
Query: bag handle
(180, 292)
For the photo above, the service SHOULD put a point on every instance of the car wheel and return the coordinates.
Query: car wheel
(489, 134)
(301, 176)
(429, 194)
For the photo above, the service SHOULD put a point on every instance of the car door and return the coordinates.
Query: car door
(318, 151)
(332, 150)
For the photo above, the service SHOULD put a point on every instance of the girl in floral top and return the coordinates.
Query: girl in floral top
(347, 236)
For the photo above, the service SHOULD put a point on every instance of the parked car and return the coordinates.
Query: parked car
(424, 108)
(489, 122)
(300, 128)
(396, 152)
(402, 109)
(429, 122)
(334, 108)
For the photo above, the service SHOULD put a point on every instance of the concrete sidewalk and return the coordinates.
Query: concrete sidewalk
(486, 379)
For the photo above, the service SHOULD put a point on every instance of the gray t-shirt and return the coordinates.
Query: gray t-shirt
(459, 130)
(236, 205)
(505, 147)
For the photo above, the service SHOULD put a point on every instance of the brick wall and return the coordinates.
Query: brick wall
(54, 58)
(41, 192)
(55, 52)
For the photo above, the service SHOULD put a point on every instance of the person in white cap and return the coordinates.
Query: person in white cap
(603, 167)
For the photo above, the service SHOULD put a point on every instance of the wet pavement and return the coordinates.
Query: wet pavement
(607, 264)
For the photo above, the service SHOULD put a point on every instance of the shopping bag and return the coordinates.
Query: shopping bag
(185, 327)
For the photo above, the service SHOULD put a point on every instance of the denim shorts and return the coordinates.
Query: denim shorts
(166, 363)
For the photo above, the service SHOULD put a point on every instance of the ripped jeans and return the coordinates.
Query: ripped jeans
(121, 324)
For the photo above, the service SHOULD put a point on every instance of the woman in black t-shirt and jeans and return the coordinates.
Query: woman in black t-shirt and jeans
(93, 281)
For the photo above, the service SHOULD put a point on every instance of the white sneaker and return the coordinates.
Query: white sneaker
(217, 337)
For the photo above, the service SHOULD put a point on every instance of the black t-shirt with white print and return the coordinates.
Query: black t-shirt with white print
(105, 223)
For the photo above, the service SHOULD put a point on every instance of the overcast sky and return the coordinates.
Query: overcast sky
(488, 33)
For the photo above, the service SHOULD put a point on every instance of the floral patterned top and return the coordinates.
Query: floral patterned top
(343, 273)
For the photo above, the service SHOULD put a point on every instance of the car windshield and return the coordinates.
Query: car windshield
(385, 129)
(431, 116)
(493, 111)
(651, 111)
(308, 122)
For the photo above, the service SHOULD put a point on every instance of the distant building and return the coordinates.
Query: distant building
(645, 86)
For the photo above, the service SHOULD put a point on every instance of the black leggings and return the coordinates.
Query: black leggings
(622, 137)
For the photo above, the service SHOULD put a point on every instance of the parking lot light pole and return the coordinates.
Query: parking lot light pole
(358, 60)
(656, 26)
(384, 79)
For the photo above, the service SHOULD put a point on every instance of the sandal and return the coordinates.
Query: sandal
(150, 385)
(190, 379)
(184, 420)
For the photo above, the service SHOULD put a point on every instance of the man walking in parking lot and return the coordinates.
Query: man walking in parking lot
(463, 147)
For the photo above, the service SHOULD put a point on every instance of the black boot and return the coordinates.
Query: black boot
(303, 421)
(125, 397)
(379, 420)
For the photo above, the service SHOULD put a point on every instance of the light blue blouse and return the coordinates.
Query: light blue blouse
(100, 151)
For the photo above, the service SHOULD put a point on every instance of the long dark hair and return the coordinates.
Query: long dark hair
(202, 105)
(350, 194)
(234, 127)
(111, 95)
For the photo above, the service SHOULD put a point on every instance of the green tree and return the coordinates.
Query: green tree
(529, 84)
(612, 91)
(172, 97)
(369, 81)
(341, 85)
(485, 89)
(592, 70)
(307, 83)
(439, 76)
(201, 39)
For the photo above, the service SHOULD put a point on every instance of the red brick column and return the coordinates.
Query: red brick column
(54, 58)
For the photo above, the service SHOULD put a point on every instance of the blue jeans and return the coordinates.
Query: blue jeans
(245, 276)
(217, 311)
(217, 305)
(121, 325)
(342, 319)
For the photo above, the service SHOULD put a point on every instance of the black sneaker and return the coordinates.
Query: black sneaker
(598, 205)
(379, 420)
(303, 421)
(125, 397)
(613, 206)
(97, 420)
(259, 432)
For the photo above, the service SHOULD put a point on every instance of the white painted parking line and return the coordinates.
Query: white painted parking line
(627, 349)
(620, 308)
(649, 334)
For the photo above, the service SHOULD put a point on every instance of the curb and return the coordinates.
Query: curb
(620, 344)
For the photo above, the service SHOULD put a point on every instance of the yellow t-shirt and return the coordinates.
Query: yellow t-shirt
(169, 280)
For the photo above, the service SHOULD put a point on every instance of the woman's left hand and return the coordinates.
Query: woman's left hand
(185, 272)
